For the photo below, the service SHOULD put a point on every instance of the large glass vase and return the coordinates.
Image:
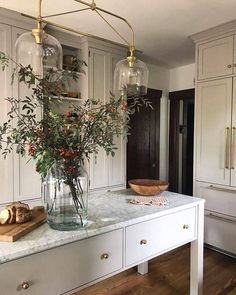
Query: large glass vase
(66, 198)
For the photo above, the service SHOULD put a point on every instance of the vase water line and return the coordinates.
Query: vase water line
(66, 199)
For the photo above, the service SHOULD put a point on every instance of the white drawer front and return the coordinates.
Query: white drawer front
(220, 232)
(151, 237)
(218, 198)
(61, 269)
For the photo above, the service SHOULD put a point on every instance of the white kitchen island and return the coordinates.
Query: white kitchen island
(119, 235)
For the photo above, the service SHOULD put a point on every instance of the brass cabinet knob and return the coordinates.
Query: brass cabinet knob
(105, 256)
(143, 242)
(185, 226)
(229, 66)
(25, 285)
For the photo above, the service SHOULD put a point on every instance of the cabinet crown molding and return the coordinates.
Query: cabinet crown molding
(228, 28)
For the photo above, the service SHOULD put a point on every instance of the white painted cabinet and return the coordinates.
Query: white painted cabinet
(27, 182)
(213, 131)
(6, 166)
(65, 268)
(216, 58)
(106, 172)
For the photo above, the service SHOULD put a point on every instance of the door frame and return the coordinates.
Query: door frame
(175, 97)
(155, 148)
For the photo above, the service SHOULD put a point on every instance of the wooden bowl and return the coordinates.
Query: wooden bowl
(148, 187)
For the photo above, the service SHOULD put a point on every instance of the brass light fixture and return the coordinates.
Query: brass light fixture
(131, 74)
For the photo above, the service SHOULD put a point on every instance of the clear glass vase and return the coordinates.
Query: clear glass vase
(66, 198)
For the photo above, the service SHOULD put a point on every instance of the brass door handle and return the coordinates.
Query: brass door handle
(227, 149)
(223, 189)
(143, 242)
(104, 256)
(185, 226)
(229, 66)
(232, 151)
(24, 285)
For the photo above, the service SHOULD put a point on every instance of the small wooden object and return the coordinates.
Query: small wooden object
(148, 187)
(12, 232)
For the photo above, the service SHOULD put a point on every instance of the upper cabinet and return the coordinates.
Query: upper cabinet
(106, 172)
(216, 58)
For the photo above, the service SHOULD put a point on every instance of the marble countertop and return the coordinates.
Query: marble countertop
(106, 212)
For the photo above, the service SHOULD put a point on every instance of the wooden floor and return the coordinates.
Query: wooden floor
(169, 275)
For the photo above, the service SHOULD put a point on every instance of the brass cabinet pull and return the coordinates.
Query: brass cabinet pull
(229, 66)
(104, 256)
(24, 285)
(227, 190)
(143, 242)
(185, 226)
(232, 151)
(224, 218)
(227, 163)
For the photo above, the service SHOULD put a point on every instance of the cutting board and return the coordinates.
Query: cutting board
(12, 232)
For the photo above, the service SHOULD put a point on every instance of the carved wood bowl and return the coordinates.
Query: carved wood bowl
(148, 187)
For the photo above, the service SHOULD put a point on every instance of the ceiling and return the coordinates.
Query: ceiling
(161, 27)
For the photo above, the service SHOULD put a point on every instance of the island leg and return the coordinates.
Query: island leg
(196, 263)
(143, 268)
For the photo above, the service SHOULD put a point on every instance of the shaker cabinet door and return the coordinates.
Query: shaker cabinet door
(233, 139)
(99, 89)
(213, 131)
(27, 182)
(215, 58)
(6, 165)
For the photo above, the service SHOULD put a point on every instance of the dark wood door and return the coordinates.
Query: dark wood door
(144, 142)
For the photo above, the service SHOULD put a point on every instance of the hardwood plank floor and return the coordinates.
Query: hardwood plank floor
(169, 275)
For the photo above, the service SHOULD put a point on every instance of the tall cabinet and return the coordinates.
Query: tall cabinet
(18, 178)
(215, 134)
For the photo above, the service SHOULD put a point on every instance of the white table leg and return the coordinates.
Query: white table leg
(196, 264)
(143, 268)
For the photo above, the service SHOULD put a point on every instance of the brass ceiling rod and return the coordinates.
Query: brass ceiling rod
(38, 32)
(64, 13)
(93, 6)
(74, 31)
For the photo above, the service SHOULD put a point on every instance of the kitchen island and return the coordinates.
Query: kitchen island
(119, 235)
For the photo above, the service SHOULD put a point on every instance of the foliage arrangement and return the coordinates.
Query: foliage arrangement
(68, 139)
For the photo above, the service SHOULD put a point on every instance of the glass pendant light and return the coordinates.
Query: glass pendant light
(43, 55)
(130, 77)
(38, 49)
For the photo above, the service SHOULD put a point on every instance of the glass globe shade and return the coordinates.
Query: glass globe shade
(39, 56)
(130, 81)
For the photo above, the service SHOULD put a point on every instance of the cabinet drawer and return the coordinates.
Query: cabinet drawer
(151, 237)
(220, 232)
(218, 198)
(61, 269)
(215, 58)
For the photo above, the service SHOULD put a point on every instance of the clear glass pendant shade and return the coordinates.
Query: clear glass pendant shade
(130, 81)
(48, 54)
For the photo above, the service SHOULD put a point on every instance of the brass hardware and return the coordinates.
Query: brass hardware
(227, 159)
(25, 285)
(143, 242)
(38, 32)
(104, 256)
(229, 66)
(228, 190)
(232, 151)
(224, 218)
(185, 226)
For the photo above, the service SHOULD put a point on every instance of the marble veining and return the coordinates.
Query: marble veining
(107, 212)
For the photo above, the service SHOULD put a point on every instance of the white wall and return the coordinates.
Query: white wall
(159, 78)
(182, 77)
